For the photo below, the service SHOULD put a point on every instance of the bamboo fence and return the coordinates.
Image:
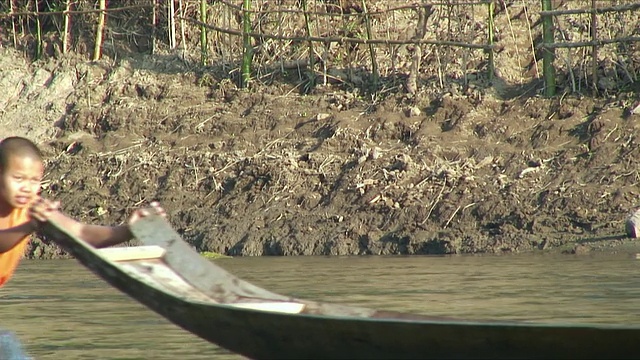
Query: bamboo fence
(442, 40)
(549, 43)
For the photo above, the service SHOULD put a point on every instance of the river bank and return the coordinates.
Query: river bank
(324, 165)
(264, 173)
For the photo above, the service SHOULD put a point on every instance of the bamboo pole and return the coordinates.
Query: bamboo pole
(421, 29)
(490, 41)
(348, 53)
(183, 43)
(38, 32)
(393, 50)
(154, 26)
(515, 40)
(228, 15)
(203, 32)
(325, 51)
(13, 23)
(548, 54)
(372, 50)
(308, 28)
(66, 35)
(594, 48)
(281, 30)
(246, 44)
(533, 44)
(97, 50)
(171, 23)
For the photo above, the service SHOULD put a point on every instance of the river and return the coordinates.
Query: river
(60, 310)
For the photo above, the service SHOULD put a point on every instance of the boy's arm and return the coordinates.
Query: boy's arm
(96, 235)
(12, 236)
(103, 236)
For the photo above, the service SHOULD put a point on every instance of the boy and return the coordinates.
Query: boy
(21, 207)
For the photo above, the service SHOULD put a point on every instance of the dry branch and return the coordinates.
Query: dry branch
(343, 39)
(379, 12)
(589, 43)
(602, 10)
(73, 12)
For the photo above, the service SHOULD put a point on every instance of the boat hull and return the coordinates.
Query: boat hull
(204, 299)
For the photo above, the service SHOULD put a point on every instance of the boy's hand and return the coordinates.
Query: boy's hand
(41, 209)
(140, 213)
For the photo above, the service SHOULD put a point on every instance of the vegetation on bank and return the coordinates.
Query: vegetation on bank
(375, 46)
(214, 255)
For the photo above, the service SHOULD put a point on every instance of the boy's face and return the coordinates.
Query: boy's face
(20, 180)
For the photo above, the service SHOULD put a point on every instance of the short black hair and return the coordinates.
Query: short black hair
(17, 146)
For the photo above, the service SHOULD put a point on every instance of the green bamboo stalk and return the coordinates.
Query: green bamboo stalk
(490, 40)
(372, 50)
(548, 56)
(97, 50)
(308, 27)
(246, 42)
(203, 33)
(38, 32)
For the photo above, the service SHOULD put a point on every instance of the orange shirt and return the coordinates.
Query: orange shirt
(10, 259)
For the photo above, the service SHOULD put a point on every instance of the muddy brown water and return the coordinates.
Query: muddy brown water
(60, 310)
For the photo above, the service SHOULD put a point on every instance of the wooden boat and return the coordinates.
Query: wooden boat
(168, 276)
